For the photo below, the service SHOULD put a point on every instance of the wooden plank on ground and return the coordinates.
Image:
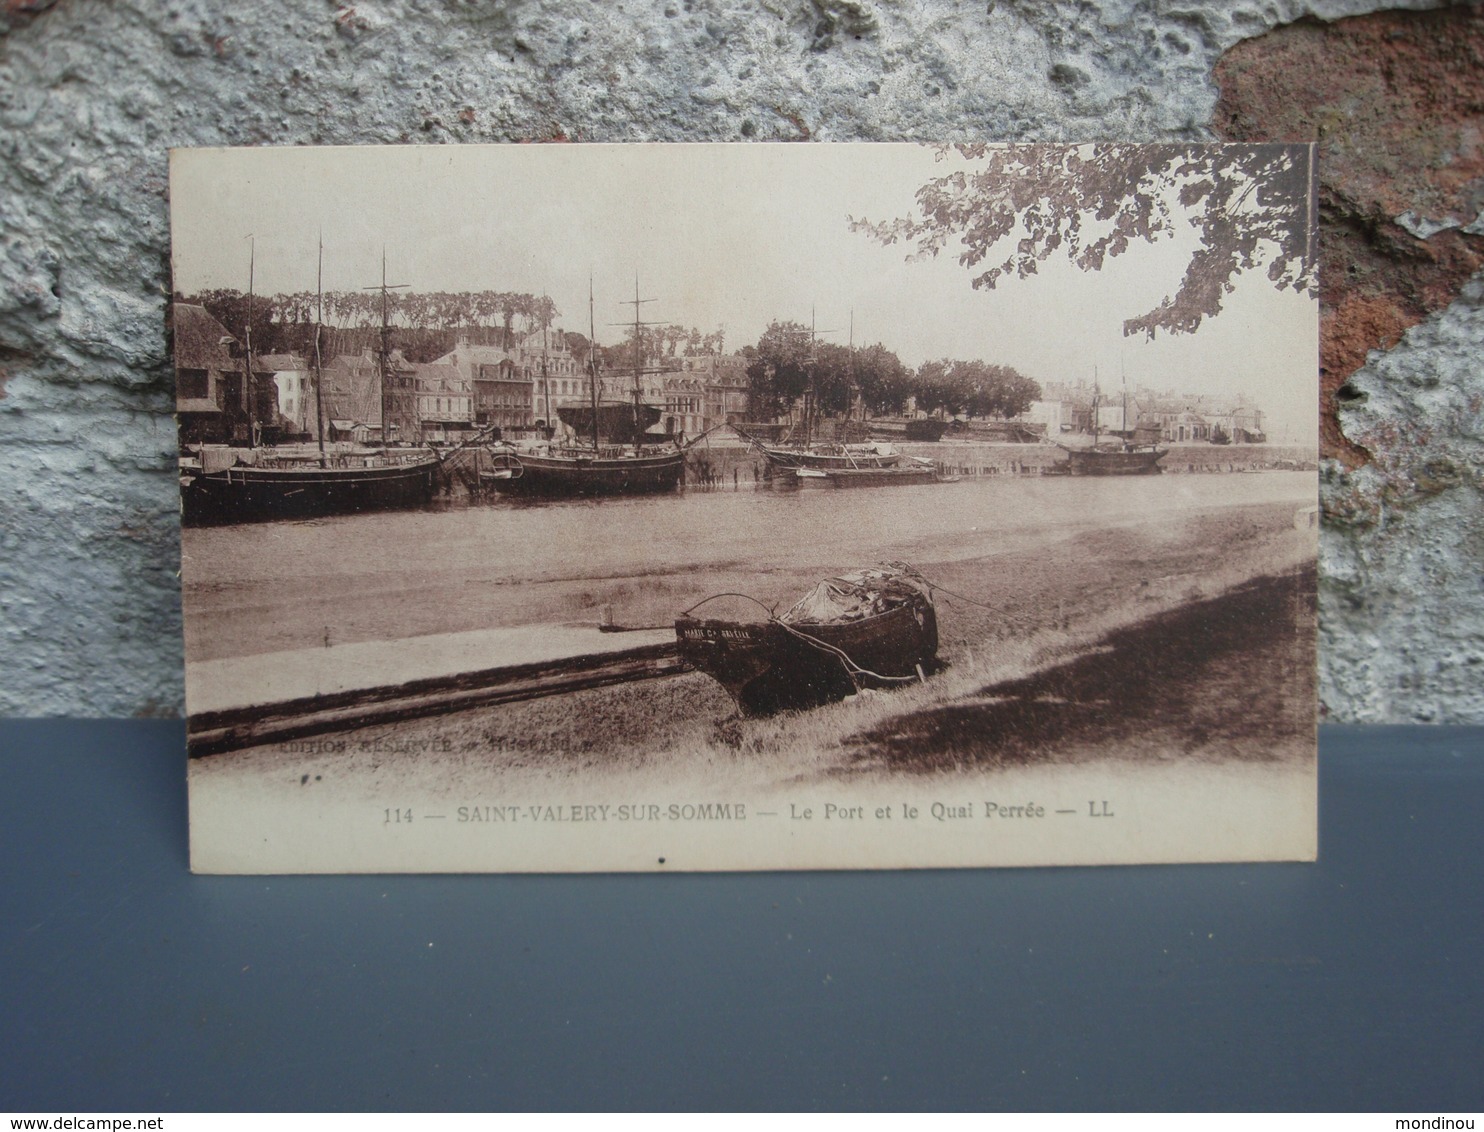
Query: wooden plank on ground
(213, 732)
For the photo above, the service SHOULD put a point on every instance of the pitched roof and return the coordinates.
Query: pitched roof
(201, 342)
(278, 363)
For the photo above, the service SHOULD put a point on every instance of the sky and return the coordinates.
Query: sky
(729, 236)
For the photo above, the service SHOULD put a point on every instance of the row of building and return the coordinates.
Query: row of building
(524, 387)
(1152, 415)
(471, 388)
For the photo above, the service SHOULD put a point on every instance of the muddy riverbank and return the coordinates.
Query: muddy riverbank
(1184, 584)
(1026, 546)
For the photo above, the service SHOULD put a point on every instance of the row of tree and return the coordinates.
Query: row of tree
(787, 363)
(661, 341)
(427, 323)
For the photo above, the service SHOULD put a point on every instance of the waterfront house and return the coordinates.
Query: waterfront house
(210, 399)
(288, 379)
(445, 403)
(725, 387)
(522, 386)
(352, 396)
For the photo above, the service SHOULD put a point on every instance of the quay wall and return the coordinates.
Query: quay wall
(724, 466)
(733, 466)
(971, 459)
(728, 466)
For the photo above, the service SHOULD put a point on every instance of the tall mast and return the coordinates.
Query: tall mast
(546, 381)
(638, 357)
(1126, 437)
(384, 357)
(809, 395)
(854, 392)
(592, 360)
(319, 372)
(1097, 395)
(247, 376)
(638, 362)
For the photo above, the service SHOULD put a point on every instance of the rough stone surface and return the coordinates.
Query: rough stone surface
(92, 93)
(1402, 565)
(1396, 101)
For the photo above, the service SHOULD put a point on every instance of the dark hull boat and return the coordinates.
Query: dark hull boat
(579, 473)
(767, 432)
(832, 456)
(868, 477)
(304, 490)
(1122, 461)
(869, 629)
(614, 462)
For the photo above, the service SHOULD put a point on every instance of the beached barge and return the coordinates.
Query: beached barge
(873, 628)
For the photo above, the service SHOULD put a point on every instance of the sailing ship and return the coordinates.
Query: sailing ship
(1123, 457)
(604, 466)
(292, 488)
(804, 451)
(871, 628)
(221, 484)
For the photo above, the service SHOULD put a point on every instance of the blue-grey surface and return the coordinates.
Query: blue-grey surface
(92, 93)
(131, 986)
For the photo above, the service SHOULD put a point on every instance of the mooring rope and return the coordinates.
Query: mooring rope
(852, 669)
(913, 572)
(713, 597)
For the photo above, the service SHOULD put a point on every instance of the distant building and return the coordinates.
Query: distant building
(681, 398)
(558, 378)
(1063, 407)
(1150, 415)
(293, 386)
(445, 403)
(1203, 417)
(501, 393)
(352, 396)
(1243, 423)
(1116, 416)
(724, 387)
(355, 395)
(524, 385)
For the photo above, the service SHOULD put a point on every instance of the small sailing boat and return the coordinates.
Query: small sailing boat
(805, 452)
(603, 468)
(1114, 458)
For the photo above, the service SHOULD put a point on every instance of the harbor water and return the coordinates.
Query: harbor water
(490, 563)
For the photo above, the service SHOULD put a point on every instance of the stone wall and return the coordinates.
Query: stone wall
(93, 92)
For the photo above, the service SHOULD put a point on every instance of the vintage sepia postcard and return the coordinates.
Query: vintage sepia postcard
(721, 507)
